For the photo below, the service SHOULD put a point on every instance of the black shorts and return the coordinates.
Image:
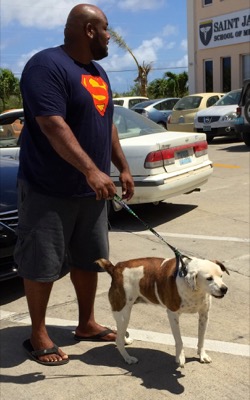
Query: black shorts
(55, 234)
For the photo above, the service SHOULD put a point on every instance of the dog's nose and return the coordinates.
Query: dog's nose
(223, 289)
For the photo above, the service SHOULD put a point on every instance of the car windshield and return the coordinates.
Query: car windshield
(131, 124)
(188, 103)
(230, 98)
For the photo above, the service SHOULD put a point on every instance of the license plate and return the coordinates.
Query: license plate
(239, 121)
(206, 128)
(183, 157)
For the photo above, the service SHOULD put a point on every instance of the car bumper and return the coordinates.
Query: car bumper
(150, 190)
(8, 269)
(242, 128)
(218, 131)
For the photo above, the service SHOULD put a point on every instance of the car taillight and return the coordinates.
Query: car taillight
(238, 112)
(169, 119)
(200, 148)
(161, 158)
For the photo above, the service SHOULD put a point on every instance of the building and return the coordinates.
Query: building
(218, 44)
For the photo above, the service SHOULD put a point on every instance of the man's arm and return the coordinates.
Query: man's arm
(66, 145)
(119, 160)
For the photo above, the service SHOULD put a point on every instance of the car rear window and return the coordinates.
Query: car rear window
(131, 124)
(188, 103)
(230, 98)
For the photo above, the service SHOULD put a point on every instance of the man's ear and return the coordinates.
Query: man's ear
(89, 30)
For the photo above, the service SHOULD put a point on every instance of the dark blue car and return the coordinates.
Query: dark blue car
(8, 216)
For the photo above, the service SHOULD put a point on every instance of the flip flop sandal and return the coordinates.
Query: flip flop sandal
(34, 354)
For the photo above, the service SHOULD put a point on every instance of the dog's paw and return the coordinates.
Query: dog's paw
(180, 359)
(204, 357)
(131, 360)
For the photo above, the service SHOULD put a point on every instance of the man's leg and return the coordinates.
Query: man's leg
(85, 283)
(37, 294)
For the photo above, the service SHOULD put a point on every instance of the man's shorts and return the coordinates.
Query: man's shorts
(55, 234)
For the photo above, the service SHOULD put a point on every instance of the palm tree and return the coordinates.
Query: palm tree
(178, 83)
(143, 70)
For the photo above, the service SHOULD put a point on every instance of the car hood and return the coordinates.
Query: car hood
(8, 183)
(216, 110)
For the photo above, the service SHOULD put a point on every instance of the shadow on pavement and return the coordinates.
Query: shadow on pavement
(156, 369)
(149, 213)
(11, 290)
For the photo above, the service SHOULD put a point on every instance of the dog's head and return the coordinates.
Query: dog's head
(206, 276)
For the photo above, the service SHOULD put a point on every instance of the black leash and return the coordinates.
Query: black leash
(179, 256)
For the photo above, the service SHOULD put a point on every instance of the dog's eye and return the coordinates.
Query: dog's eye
(210, 278)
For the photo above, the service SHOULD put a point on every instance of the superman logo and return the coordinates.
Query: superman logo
(98, 90)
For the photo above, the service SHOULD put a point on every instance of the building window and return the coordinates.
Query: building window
(208, 74)
(226, 74)
(207, 2)
(245, 67)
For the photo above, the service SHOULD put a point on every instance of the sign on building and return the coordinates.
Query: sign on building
(224, 30)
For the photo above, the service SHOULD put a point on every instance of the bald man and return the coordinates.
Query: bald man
(67, 145)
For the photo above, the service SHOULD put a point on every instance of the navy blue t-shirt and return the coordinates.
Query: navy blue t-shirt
(52, 83)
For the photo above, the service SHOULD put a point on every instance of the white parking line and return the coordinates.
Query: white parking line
(191, 236)
(146, 336)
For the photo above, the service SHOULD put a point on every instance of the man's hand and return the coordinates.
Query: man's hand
(127, 185)
(102, 184)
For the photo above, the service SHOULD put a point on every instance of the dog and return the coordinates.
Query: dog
(180, 289)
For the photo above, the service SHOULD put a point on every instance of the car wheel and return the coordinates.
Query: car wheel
(246, 137)
(247, 110)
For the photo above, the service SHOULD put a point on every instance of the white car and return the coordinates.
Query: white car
(163, 163)
(128, 102)
(242, 122)
(219, 119)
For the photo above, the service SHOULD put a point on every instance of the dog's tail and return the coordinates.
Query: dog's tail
(106, 264)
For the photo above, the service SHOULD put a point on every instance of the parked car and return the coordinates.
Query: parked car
(163, 164)
(8, 217)
(242, 122)
(128, 102)
(182, 117)
(157, 110)
(219, 120)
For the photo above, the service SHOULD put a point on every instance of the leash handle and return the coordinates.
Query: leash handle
(126, 207)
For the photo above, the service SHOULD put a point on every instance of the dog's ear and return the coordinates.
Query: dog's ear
(222, 266)
(190, 278)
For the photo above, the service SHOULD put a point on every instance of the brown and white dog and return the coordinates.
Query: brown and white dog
(157, 281)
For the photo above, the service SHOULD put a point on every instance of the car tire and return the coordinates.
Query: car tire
(247, 110)
(246, 137)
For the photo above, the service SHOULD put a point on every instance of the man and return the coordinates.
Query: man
(68, 142)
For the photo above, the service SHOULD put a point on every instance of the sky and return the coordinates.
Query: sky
(155, 31)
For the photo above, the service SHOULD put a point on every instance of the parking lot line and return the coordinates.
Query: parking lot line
(225, 165)
(191, 236)
(149, 336)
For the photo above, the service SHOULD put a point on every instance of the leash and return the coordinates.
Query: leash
(181, 267)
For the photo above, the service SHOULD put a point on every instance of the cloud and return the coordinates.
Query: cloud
(45, 14)
(184, 44)
(139, 5)
(169, 30)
